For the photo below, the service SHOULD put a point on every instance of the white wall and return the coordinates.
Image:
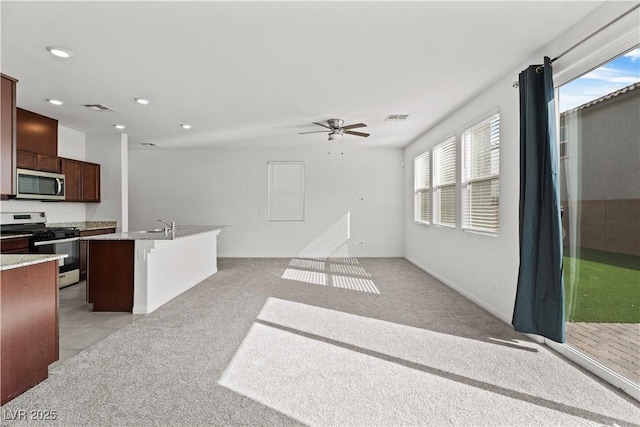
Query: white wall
(229, 187)
(110, 151)
(485, 268)
(71, 144)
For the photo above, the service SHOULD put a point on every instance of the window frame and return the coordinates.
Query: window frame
(273, 196)
(422, 189)
(468, 178)
(437, 151)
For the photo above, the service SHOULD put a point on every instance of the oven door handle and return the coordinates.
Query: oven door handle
(53, 242)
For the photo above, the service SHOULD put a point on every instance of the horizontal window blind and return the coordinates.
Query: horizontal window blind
(444, 183)
(445, 206)
(422, 188)
(480, 175)
(444, 162)
(286, 191)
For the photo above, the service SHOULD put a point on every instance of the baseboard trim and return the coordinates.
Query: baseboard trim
(299, 256)
(473, 298)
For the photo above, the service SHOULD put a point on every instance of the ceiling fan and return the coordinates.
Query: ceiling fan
(336, 129)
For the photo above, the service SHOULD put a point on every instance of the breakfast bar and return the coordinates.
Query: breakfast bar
(139, 271)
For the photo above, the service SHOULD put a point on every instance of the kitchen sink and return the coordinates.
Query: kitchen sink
(155, 230)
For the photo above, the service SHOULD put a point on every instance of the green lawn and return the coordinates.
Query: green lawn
(607, 288)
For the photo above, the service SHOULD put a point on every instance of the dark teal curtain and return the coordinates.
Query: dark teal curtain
(539, 305)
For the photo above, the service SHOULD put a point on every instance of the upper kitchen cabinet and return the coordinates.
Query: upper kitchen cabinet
(90, 182)
(36, 141)
(72, 171)
(82, 180)
(8, 136)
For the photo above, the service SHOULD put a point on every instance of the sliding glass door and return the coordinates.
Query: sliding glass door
(600, 195)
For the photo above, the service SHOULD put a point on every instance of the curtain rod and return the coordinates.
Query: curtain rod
(596, 32)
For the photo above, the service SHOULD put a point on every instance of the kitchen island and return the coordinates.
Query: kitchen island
(28, 319)
(138, 271)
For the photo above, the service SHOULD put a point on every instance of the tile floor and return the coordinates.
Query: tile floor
(80, 327)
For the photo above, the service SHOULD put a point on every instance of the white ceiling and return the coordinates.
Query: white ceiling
(254, 74)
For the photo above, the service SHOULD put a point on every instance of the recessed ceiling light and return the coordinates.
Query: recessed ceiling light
(185, 126)
(59, 52)
(142, 101)
(55, 101)
(119, 126)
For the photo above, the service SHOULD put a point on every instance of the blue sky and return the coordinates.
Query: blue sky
(605, 79)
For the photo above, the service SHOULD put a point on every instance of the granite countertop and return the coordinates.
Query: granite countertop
(86, 225)
(180, 232)
(8, 262)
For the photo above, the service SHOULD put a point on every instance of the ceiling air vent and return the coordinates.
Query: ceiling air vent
(98, 107)
(396, 117)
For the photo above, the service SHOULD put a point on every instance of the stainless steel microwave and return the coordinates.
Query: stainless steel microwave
(39, 185)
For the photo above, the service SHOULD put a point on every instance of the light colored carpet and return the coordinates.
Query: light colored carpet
(249, 347)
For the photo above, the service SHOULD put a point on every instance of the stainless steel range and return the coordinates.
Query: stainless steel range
(47, 240)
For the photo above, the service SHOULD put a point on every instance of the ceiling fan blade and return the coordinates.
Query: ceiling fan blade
(357, 125)
(351, 132)
(315, 131)
(322, 124)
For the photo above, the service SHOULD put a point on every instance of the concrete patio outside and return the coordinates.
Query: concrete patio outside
(615, 345)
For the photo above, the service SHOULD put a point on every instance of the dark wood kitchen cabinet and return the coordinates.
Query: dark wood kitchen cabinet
(82, 180)
(36, 141)
(29, 323)
(18, 245)
(90, 182)
(72, 171)
(83, 250)
(109, 288)
(36, 133)
(37, 161)
(7, 136)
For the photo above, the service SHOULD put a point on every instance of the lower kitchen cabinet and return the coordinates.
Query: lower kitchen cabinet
(110, 281)
(83, 250)
(19, 245)
(29, 323)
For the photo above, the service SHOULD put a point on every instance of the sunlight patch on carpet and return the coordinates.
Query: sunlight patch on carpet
(349, 269)
(354, 283)
(307, 263)
(322, 271)
(312, 277)
(341, 382)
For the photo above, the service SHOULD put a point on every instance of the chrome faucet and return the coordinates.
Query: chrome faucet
(169, 227)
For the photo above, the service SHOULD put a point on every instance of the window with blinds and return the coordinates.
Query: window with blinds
(444, 183)
(286, 191)
(481, 176)
(422, 188)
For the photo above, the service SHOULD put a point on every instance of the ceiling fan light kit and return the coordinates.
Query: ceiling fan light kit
(337, 130)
